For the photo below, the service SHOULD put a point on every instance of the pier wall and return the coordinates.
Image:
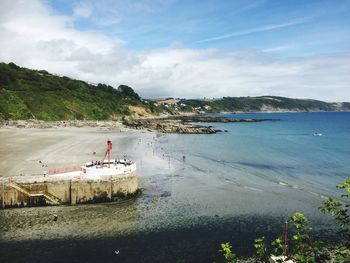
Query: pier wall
(71, 192)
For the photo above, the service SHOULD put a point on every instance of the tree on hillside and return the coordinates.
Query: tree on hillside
(128, 92)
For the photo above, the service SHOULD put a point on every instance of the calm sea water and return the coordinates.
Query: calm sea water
(198, 191)
(271, 155)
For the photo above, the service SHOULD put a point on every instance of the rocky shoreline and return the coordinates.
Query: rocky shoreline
(167, 125)
(204, 118)
(183, 124)
(39, 124)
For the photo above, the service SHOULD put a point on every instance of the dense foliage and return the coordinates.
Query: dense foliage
(26, 93)
(340, 210)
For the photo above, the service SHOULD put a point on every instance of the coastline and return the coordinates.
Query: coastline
(186, 202)
(118, 124)
(182, 124)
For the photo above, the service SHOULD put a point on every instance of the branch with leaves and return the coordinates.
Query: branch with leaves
(229, 256)
(339, 209)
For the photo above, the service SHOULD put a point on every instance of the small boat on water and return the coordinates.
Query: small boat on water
(317, 134)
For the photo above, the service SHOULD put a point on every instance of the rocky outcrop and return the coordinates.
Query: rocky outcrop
(199, 118)
(182, 124)
(168, 125)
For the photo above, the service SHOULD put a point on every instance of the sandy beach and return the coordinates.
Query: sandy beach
(233, 186)
(31, 151)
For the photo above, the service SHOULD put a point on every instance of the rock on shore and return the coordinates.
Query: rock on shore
(172, 124)
(199, 118)
(166, 125)
(182, 124)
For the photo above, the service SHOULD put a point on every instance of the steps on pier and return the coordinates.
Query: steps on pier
(32, 193)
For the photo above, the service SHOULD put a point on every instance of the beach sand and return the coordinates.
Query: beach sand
(31, 151)
(185, 206)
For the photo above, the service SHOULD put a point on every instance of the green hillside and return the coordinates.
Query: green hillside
(26, 93)
(37, 94)
(263, 103)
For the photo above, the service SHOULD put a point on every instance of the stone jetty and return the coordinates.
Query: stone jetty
(67, 189)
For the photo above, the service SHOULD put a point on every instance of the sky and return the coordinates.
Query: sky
(186, 48)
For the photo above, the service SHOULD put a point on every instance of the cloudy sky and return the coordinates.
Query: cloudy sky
(186, 48)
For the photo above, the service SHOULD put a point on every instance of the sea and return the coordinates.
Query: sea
(198, 191)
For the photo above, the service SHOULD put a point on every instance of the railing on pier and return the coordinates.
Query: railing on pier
(64, 170)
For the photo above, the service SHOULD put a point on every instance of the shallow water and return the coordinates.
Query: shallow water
(231, 186)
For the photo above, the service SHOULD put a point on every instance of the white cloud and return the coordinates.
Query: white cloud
(278, 48)
(33, 36)
(82, 9)
(257, 29)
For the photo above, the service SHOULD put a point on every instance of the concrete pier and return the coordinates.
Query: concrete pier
(69, 188)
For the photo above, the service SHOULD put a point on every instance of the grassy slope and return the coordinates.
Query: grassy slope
(26, 93)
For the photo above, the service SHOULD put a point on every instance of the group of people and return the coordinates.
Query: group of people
(96, 163)
(42, 164)
(99, 163)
